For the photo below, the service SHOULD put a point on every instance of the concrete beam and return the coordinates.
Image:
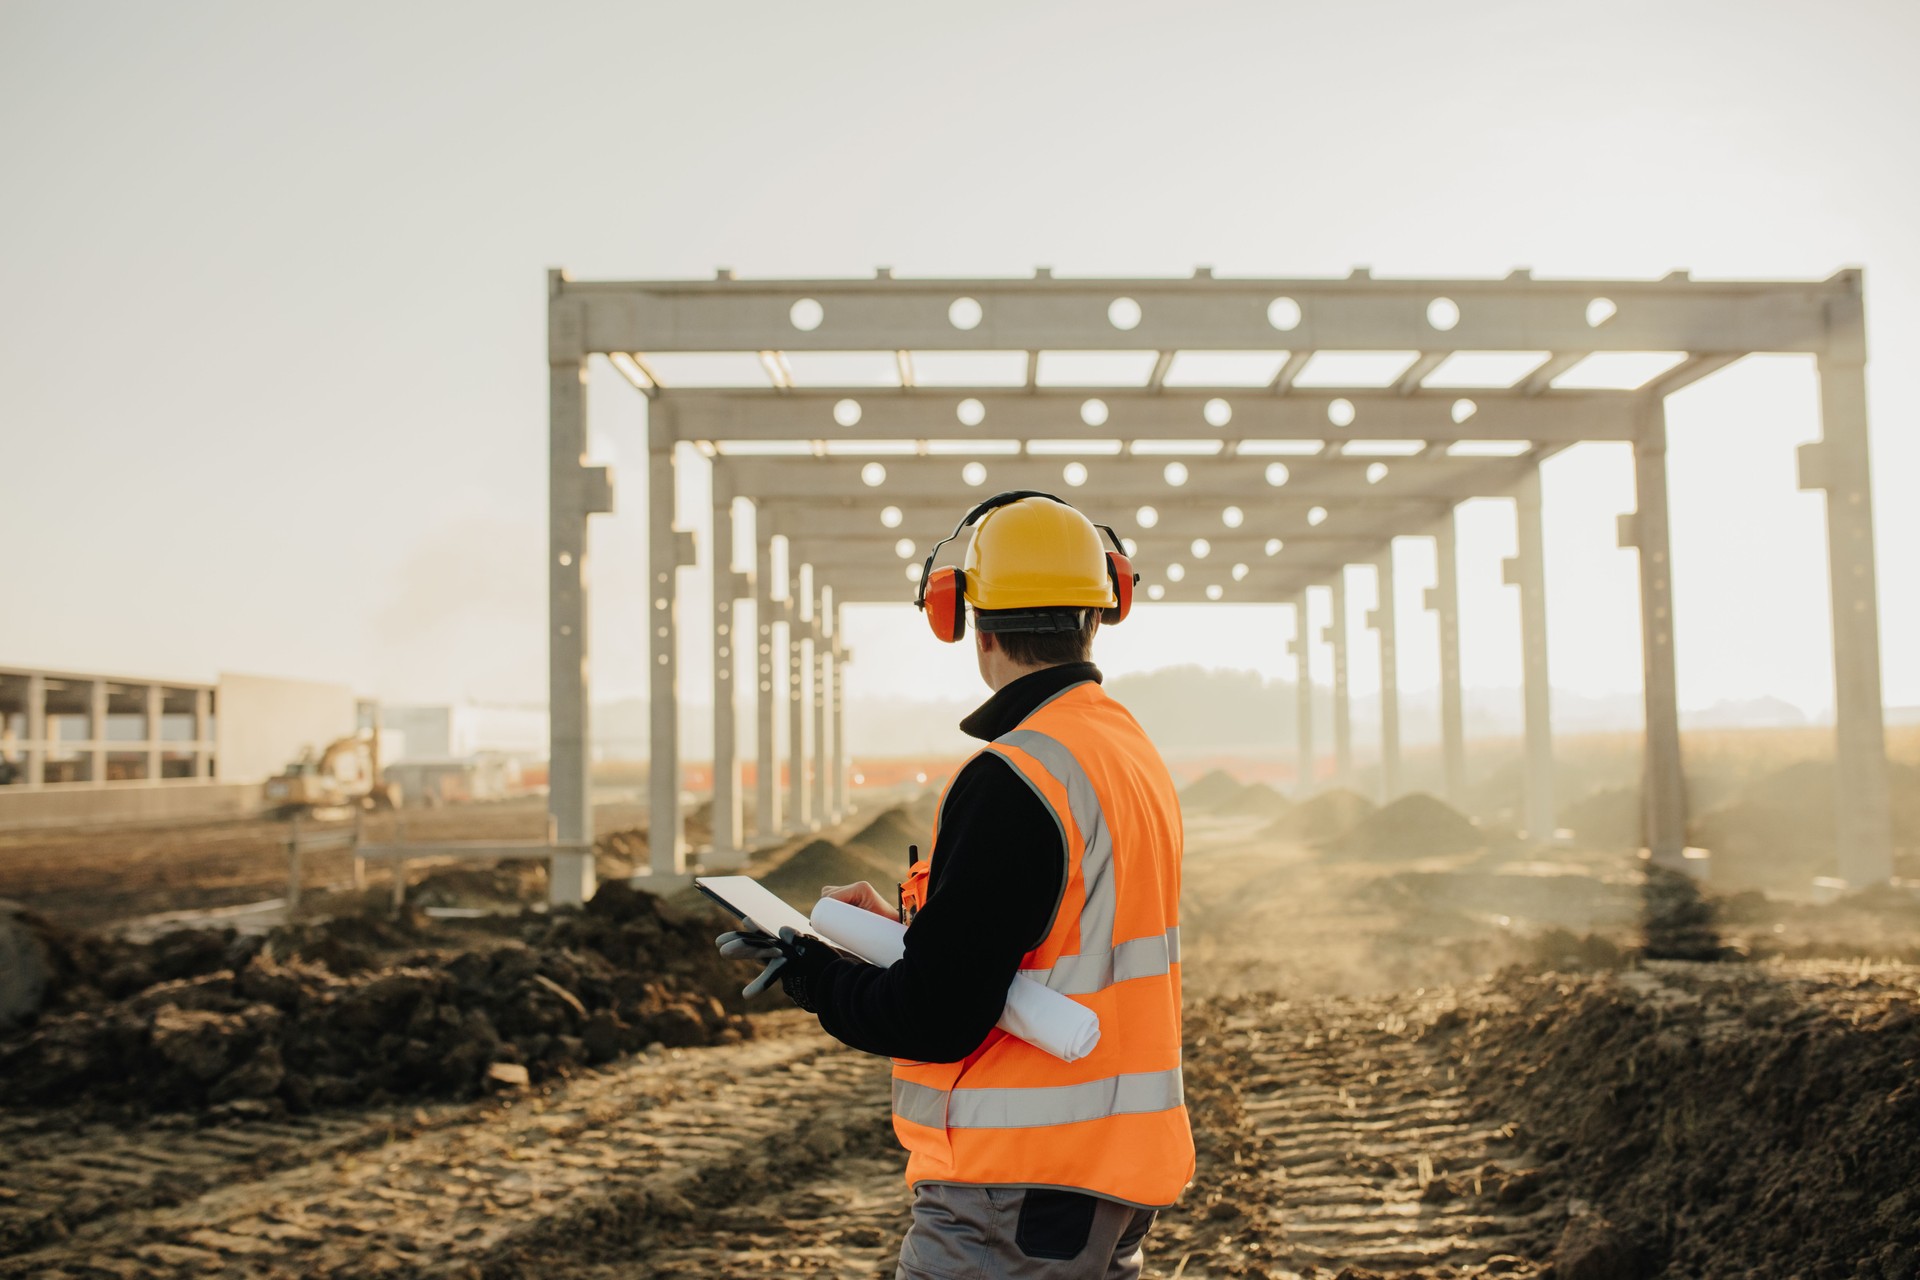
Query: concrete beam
(1356, 313)
(1134, 413)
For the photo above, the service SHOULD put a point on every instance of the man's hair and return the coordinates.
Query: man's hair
(1048, 648)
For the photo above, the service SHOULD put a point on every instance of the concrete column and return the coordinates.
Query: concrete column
(822, 680)
(1528, 572)
(667, 550)
(1303, 698)
(574, 492)
(1342, 710)
(202, 737)
(36, 730)
(799, 816)
(1663, 794)
(766, 819)
(1837, 463)
(841, 656)
(156, 710)
(728, 847)
(1386, 620)
(97, 731)
(1444, 598)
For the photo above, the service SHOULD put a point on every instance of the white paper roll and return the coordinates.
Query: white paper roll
(1035, 1012)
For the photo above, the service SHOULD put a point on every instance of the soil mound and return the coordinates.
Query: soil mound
(1211, 790)
(811, 867)
(1258, 800)
(1725, 1119)
(876, 853)
(1779, 832)
(327, 1014)
(1609, 818)
(1414, 826)
(1325, 816)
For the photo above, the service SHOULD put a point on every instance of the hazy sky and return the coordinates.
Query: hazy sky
(272, 310)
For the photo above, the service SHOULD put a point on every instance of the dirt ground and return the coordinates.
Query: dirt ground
(1399, 1064)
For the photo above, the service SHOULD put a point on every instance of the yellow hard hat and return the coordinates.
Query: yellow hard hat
(1037, 553)
(1034, 562)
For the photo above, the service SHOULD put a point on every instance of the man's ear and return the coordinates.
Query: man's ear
(983, 640)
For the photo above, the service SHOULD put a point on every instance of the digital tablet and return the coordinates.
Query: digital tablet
(755, 905)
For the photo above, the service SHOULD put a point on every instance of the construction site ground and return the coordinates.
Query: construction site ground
(1398, 1065)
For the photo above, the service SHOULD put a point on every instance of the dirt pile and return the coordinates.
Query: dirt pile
(328, 1014)
(1715, 1119)
(1258, 800)
(1210, 790)
(877, 853)
(1779, 831)
(1414, 826)
(1327, 815)
(1608, 818)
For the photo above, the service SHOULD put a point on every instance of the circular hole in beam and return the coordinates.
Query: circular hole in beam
(971, 412)
(1464, 409)
(1215, 591)
(974, 474)
(1123, 313)
(1074, 473)
(806, 315)
(873, 475)
(1176, 571)
(1277, 474)
(1093, 412)
(1233, 517)
(891, 517)
(847, 413)
(1146, 517)
(1340, 413)
(1443, 313)
(1599, 311)
(1156, 592)
(1175, 473)
(1283, 314)
(964, 313)
(1217, 412)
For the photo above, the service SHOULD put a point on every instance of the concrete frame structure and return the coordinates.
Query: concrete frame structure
(1340, 499)
(35, 703)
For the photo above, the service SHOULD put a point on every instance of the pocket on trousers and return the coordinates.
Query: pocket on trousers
(1054, 1224)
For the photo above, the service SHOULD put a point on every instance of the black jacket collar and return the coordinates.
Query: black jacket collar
(1015, 702)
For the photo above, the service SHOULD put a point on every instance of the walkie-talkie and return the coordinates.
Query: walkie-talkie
(913, 861)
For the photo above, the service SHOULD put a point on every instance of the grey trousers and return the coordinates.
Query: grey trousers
(1019, 1233)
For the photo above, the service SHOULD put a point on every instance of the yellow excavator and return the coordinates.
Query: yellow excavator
(344, 775)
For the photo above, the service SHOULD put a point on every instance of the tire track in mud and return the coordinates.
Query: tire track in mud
(605, 1164)
(1370, 1155)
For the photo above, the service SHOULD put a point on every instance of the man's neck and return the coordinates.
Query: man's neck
(1003, 671)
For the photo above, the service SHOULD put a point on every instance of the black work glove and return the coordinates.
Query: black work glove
(792, 958)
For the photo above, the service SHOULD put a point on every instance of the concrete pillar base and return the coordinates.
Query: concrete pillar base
(570, 879)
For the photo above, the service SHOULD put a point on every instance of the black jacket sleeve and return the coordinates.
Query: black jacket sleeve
(999, 870)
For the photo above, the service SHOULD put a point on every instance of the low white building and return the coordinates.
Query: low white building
(84, 747)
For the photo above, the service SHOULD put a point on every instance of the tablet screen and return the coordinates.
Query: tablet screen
(753, 903)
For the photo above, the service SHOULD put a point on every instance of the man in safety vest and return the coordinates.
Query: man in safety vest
(1056, 854)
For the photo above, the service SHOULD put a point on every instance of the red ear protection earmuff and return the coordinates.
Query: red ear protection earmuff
(942, 595)
(1120, 573)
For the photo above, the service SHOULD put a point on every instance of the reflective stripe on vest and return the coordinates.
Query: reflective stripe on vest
(1088, 972)
(1096, 866)
(1030, 1108)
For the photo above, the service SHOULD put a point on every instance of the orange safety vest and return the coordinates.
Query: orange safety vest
(1115, 1122)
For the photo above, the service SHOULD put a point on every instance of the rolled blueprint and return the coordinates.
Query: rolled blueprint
(1035, 1012)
